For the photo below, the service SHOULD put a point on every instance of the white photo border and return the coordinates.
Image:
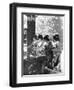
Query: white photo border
(42, 78)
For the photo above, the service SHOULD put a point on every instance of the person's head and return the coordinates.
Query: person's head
(56, 37)
(35, 37)
(40, 37)
(46, 38)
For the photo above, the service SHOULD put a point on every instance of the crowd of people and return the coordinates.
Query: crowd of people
(43, 45)
(47, 50)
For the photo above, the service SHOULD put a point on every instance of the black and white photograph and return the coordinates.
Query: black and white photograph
(40, 44)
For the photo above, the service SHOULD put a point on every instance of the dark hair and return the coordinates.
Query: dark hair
(56, 37)
(46, 38)
(35, 36)
(40, 36)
